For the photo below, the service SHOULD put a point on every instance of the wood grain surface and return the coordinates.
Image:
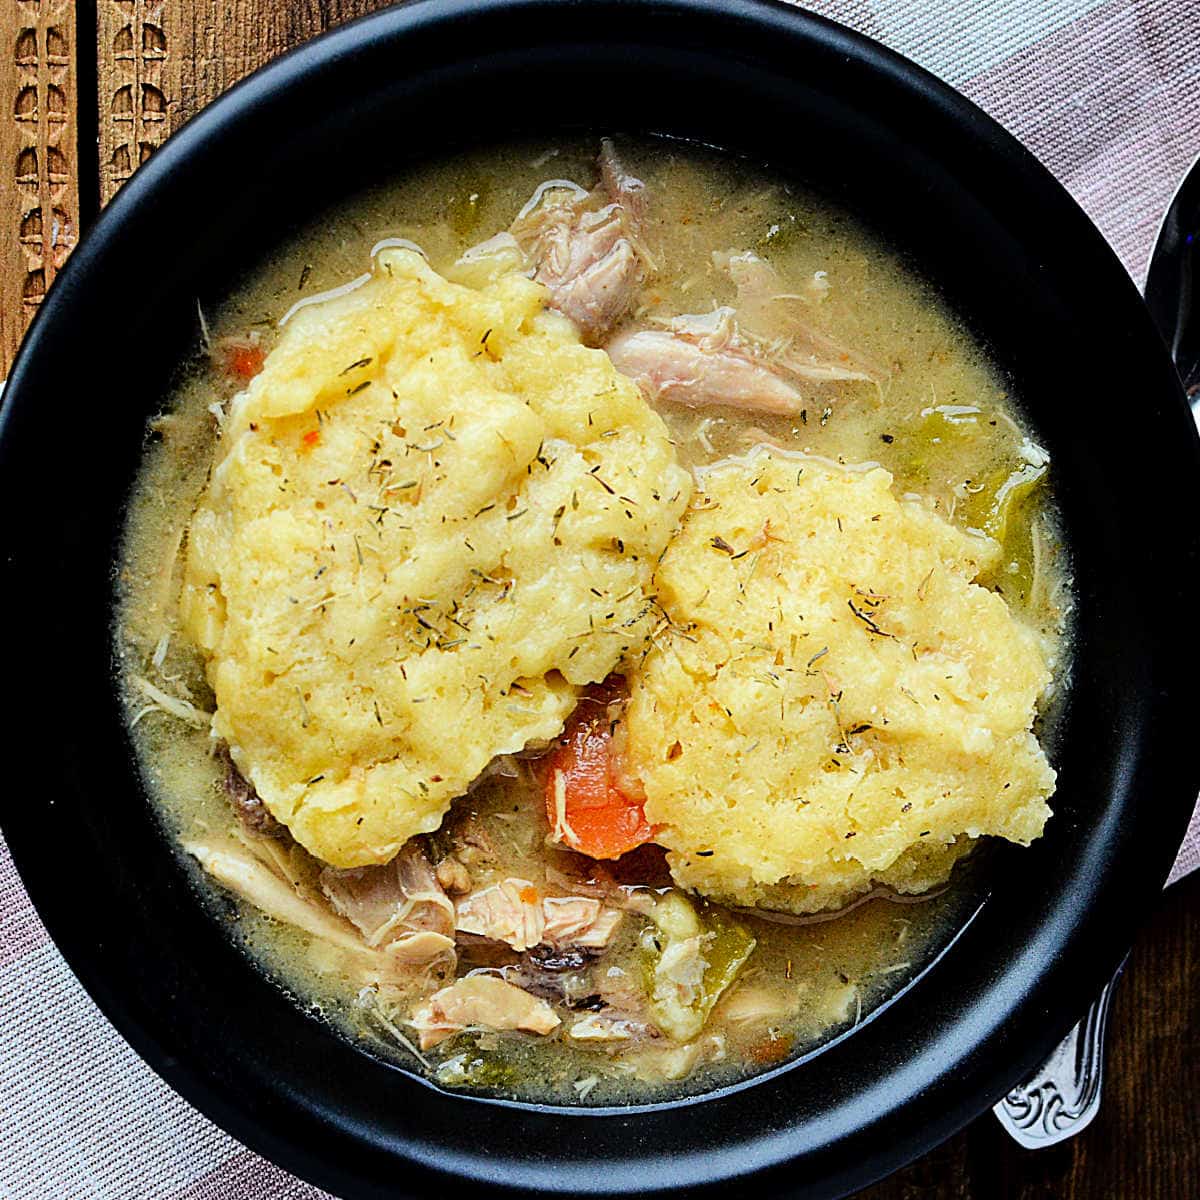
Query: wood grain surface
(39, 159)
(135, 74)
(156, 63)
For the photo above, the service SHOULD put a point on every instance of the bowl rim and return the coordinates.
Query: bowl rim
(762, 18)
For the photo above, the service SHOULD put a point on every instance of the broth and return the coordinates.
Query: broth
(938, 417)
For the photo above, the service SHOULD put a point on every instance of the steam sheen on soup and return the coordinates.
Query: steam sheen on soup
(583, 613)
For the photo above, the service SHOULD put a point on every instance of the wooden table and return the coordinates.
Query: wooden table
(76, 126)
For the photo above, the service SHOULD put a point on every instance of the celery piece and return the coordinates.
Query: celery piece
(691, 959)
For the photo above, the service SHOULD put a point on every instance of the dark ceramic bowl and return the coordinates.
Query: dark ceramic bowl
(974, 212)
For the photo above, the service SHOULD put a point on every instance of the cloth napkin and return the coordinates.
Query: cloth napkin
(1103, 92)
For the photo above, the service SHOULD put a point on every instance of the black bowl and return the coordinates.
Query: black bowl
(976, 214)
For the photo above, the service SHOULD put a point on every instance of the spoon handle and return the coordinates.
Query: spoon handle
(1173, 283)
(1063, 1095)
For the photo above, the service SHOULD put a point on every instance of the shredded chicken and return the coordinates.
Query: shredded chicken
(628, 190)
(241, 872)
(676, 1062)
(266, 872)
(509, 911)
(160, 701)
(562, 831)
(590, 259)
(755, 357)
(778, 318)
(700, 361)
(482, 263)
(515, 912)
(261, 873)
(758, 1004)
(704, 360)
(601, 1027)
(578, 921)
(680, 970)
(481, 1001)
(392, 901)
(422, 948)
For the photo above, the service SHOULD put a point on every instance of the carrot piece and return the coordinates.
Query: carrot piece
(587, 807)
(310, 439)
(242, 358)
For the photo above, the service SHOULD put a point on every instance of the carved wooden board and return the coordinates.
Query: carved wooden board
(135, 74)
(39, 159)
(156, 62)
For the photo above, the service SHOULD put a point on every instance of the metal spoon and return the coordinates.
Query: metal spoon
(1172, 282)
(1063, 1095)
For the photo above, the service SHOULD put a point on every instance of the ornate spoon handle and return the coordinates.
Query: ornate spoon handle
(1063, 1096)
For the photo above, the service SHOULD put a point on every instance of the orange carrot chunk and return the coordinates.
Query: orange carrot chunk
(588, 810)
(242, 358)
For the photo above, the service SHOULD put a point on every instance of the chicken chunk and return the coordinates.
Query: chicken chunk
(259, 871)
(481, 1001)
(391, 902)
(509, 911)
(699, 361)
(589, 258)
(754, 357)
(515, 912)
(578, 921)
(702, 360)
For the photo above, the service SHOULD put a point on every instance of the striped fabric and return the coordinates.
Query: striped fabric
(1103, 93)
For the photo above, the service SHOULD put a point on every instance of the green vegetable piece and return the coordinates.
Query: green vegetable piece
(474, 1069)
(727, 953)
(691, 959)
(1010, 499)
(1004, 510)
(937, 439)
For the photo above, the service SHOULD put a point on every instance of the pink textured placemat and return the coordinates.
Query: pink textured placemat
(1104, 93)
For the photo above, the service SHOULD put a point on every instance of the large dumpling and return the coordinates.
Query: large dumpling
(434, 516)
(833, 702)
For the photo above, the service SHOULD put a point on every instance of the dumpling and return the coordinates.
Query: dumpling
(832, 702)
(434, 516)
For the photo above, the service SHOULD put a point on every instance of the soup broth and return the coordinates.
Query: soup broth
(887, 376)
